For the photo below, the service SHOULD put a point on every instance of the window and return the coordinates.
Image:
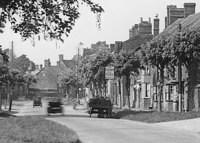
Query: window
(147, 89)
(169, 92)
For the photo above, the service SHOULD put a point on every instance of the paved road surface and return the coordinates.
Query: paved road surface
(97, 130)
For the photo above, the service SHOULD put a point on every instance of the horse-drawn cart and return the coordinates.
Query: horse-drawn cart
(101, 106)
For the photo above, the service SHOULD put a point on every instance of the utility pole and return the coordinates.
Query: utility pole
(179, 71)
(10, 89)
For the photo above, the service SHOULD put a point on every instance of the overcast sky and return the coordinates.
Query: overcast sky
(118, 18)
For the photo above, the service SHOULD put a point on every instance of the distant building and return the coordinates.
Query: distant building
(95, 48)
(174, 13)
(143, 28)
(116, 47)
(156, 26)
(49, 77)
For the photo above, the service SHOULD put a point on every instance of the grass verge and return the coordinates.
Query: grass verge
(154, 117)
(34, 130)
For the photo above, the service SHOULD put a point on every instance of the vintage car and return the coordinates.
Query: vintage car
(37, 101)
(102, 106)
(55, 105)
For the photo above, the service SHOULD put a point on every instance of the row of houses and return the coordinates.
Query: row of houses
(144, 87)
(49, 78)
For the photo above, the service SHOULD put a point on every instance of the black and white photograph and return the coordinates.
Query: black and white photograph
(99, 71)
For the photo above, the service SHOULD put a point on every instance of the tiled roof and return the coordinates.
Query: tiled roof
(69, 63)
(48, 77)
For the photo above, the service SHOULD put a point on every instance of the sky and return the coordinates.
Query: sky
(118, 18)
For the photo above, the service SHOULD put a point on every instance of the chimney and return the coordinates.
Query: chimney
(130, 33)
(156, 26)
(141, 19)
(189, 9)
(37, 67)
(47, 63)
(149, 20)
(61, 57)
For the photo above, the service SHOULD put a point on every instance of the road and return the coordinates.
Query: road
(99, 130)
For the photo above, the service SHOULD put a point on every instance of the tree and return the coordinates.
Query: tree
(185, 51)
(23, 64)
(3, 72)
(54, 18)
(157, 53)
(93, 70)
(69, 83)
(27, 80)
(124, 64)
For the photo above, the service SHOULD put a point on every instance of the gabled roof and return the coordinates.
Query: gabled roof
(69, 63)
(48, 77)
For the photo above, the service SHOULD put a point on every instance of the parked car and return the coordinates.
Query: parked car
(37, 101)
(55, 105)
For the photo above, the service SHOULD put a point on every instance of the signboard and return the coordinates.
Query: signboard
(109, 72)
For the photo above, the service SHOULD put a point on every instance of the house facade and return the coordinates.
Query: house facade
(50, 76)
(145, 85)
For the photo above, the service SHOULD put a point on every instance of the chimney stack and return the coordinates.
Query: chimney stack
(61, 57)
(149, 20)
(141, 19)
(47, 63)
(189, 9)
(156, 26)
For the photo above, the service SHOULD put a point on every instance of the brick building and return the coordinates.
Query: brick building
(143, 28)
(174, 13)
(97, 47)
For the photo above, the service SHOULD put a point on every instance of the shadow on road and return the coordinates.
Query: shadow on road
(5, 114)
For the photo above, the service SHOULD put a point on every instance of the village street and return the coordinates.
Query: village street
(102, 130)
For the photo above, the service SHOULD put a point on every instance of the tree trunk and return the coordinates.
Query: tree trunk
(10, 99)
(179, 86)
(161, 89)
(122, 91)
(128, 90)
(27, 90)
(0, 98)
(119, 93)
(192, 81)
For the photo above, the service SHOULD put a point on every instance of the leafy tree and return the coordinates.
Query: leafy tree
(3, 71)
(54, 18)
(185, 48)
(124, 64)
(27, 80)
(93, 70)
(22, 63)
(69, 83)
(157, 53)
(12, 78)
